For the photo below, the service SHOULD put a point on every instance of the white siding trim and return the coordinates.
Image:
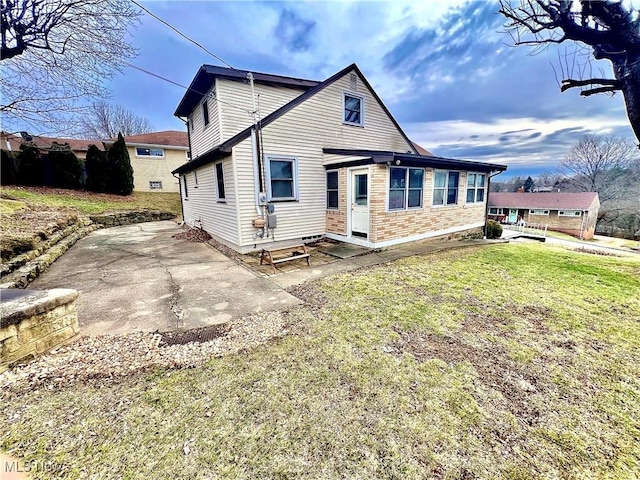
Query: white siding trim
(236, 195)
(365, 243)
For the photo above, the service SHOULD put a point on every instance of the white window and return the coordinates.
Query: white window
(332, 190)
(445, 187)
(352, 109)
(496, 211)
(282, 178)
(205, 112)
(221, 196)
(405, 188)
(155, 185)
(538, 211)
(149, 152)
(570, 213)
(475, 187)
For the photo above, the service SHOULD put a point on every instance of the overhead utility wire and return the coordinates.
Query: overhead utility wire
(181, 34)
(182, 86)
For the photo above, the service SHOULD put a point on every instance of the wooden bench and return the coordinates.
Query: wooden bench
(295, 251)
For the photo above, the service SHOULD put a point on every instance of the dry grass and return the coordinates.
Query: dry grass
(30, 214)
(509, 361)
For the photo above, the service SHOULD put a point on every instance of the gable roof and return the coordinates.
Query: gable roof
(225, 148)
(421, 150)
(44, 143)
(205, 78)
(170, 138)
(551, 200)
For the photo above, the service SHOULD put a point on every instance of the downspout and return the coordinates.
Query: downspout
(180, 190)
(486, 206)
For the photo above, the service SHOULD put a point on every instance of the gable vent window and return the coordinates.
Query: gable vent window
(353, 109)
(205, 112)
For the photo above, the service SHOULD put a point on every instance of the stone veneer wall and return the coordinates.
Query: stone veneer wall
(32, 324)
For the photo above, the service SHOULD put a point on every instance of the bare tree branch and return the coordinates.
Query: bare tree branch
(609, 29)
(55, 56)
(106, 121)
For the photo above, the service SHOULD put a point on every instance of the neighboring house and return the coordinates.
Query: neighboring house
(153, 156)
(572, 213)
(79, 147)
(328, 160)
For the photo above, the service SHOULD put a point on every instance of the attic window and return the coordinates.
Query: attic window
(353, 109)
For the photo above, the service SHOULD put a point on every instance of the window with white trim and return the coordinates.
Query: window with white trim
(570, 213)
(221, 196)
(475, 187)
(282, 177)
(155, 185)
(538, 211)
(496, 211)
(205, 112)
(445, 187)
(149, 152)
(352, 109)
(406, 188)
(332, 190)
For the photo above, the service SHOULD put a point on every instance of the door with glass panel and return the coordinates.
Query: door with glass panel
(359, 203)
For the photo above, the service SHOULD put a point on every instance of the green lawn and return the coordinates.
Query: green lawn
(509, 361)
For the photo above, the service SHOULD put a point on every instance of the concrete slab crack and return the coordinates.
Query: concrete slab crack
(174, 301)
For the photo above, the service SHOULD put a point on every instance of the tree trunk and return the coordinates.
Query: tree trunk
(630, 79)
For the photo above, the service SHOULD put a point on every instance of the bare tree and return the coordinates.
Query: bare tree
(55, 55)
(601, 164)
(610, 29)
(106, 120)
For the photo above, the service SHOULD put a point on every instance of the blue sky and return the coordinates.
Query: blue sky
(444, 69)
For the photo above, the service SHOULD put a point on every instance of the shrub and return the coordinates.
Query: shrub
(120, 180)
(8, 167)
(68, 171)
(97, 170)
(494, 229)
(30, 168)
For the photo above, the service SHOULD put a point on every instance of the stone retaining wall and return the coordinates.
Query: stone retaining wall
(32, 324)
(127, 218)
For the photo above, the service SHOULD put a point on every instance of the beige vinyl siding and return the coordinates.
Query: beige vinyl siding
(218, 219)
(204, 138)
(236, 103)
(303, 132)
(156, 169)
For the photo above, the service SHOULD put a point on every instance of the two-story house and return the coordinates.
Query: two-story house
(153, 156)
(321, 159)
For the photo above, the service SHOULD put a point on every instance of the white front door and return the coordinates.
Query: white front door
(359, 203)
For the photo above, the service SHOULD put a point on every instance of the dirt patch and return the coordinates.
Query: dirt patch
(197, 335)
(192, 235)
(495, 370)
